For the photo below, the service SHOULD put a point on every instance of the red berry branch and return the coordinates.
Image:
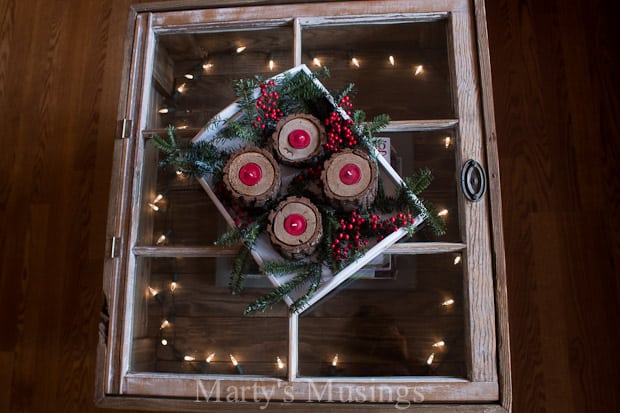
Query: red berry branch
(338, 130)
(267, 105)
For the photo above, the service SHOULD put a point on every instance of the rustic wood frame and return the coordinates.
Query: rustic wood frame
(489, 384)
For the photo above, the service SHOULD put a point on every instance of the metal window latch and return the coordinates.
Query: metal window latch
(473, 180)
(123, 129)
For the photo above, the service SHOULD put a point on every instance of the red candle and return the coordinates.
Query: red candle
(295, 224)
(350, 174)
(250, 174)
(299, 139)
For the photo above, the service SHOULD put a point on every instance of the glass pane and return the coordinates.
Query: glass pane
(435, 150)
(413, 84)
(177, 330)
(176, 207)
(194, 72)
(408, 324)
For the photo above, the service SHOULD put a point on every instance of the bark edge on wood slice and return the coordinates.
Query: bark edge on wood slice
(252, 176)
(298, 138)
(295, 227)
(350, 180)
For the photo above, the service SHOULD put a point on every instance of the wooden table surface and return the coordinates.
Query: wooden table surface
(555, 66)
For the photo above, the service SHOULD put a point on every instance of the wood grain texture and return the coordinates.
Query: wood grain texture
(556, 105)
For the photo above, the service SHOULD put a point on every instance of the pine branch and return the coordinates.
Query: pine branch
(232, 237)
(239, 270)
(419, 181)
(306, 272)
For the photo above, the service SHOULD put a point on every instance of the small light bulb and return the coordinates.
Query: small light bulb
(316, 62)
(457, 259)
(207, 66)
(182, 127)
(163, 110)
(439, 344)
(179, 173)
(419, 69)
(355, 62)
(240, 49)
(158, 198)
(448, 302)
(391, 60)
(335, 361)
(210, 358)
(447, 142)
(164, 342)
(233, 360)
(162, 238)
(430, 359)
(189, 76)
(189, 358)
(280, 363)
(443, 213)
(182, 88)
(153, 291)
(153, 206)
(271, 64)
(173, 286)
(165, 324)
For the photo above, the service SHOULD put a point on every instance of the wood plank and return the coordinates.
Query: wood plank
(446, 390)
(420, 125)
(495, 198)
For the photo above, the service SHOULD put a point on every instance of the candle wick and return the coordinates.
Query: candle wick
(348, 172)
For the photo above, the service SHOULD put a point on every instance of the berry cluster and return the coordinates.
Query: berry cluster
(338, 129)
(383, 227)
(266, 105)
(349, 239)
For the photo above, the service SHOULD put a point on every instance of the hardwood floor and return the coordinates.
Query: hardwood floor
(557, 106)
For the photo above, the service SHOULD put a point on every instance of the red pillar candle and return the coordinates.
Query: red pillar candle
(295, 224)
(250, 174)
(350, 174)
(299, 139)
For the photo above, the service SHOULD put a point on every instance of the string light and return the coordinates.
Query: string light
(189, 358)
(173, 286)
(179, 172)
(153, 291)
(448, 302)
(316, 62)
(355, 62)
(457, 260)
(335, 361)
(164, 342)
(164, 324)
(162, 238)
(280, 363)
(271, 64)
(158, 198)
(235, 363)
(443, 213)
(153, 206)
(430, 359)
(447, 142)
(210, 358)
(240, 49)
(419, 69)
(189, 76)
(439, 344)
(206, 66)
(182, 88)
(391, 60)
(164, 110)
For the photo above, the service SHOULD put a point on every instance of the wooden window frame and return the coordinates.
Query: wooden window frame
(488, 365)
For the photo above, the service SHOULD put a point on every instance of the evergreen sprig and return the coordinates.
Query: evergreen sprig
(240, 267)
(306, 273)
(194, 159)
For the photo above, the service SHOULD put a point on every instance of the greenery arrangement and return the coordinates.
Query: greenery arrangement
(346, 235)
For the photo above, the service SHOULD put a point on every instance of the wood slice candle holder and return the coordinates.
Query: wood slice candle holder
(298, 138)
(252, 176)
(350, 180)
(295, 227)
